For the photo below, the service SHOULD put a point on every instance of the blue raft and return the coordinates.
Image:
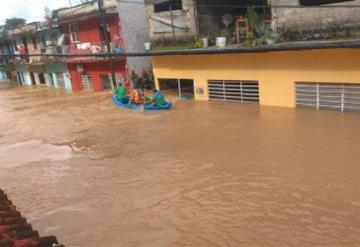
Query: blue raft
(125, 105)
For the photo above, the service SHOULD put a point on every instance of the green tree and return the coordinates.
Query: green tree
(14, 23)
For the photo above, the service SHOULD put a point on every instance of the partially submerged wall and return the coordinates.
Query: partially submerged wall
(276, 72)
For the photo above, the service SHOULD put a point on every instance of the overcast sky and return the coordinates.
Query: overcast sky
(31, 10)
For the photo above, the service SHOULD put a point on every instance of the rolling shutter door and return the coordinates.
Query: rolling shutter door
(336, 96)
(239, 91)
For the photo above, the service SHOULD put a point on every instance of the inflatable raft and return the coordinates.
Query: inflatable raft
(125, 105)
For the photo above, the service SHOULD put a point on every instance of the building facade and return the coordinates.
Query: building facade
(286, 76)
(85, 34)
(80, 33)
(27, 41)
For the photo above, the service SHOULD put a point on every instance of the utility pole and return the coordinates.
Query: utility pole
(107, 41)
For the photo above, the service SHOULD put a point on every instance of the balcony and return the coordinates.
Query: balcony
(89, 48)
(48, 50)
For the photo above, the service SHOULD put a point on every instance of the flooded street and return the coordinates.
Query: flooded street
(203, 174)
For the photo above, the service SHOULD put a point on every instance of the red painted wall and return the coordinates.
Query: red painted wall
(89, 32)
(94, 69)
(89, 29)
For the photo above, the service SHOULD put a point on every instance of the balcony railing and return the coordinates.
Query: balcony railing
(48, 50)
(83, 49)
(90, 48)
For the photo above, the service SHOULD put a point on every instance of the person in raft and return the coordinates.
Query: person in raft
(137, 97)
(120, 93)
(157, 98)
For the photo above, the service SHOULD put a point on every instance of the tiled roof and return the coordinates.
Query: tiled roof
(15, 231)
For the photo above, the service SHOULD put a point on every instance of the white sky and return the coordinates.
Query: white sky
(31, 10)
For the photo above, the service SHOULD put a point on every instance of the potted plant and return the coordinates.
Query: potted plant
(270, 36)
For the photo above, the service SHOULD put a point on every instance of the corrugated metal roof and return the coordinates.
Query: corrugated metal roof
(15, 231)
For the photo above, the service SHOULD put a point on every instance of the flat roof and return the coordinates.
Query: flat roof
(232, 49)
(286, 46)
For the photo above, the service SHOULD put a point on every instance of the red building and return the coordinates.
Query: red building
(84, 33)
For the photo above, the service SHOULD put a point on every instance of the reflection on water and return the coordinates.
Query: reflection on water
(203, 174)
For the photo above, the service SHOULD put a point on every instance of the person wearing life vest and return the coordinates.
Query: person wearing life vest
(120, 92)
(157, 98)
(137, 97)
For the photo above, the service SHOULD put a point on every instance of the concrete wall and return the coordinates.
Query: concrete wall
(22, 68)
(134, 24)
(276, 72)
(184, 22)
(54, 68)
(315, 18)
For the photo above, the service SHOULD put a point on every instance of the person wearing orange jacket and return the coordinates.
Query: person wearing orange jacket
(137, 97)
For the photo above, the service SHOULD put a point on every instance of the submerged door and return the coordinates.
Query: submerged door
(105, 82)
(51, 80)
(42, 78)
(60, 80)
(20, 78)
(32, 77)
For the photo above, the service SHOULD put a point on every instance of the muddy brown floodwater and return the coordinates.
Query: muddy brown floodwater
(203, 174)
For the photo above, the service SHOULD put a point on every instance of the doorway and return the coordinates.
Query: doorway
(42, 79)
(51, 80)
(184, 88)
(19, 74)
(32, 78)
(105, 82)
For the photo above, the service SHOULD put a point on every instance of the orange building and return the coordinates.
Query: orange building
(312, 74)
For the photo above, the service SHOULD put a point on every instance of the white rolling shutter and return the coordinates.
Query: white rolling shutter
(336, 96)
(240, 91)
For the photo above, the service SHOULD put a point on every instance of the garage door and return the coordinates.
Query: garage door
(336, 96)
(239, 91)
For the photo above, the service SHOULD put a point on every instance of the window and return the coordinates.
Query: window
(168, 5)
(319, 2)
(105, 82)
(87, 82)
(74, 32)
(119, 79)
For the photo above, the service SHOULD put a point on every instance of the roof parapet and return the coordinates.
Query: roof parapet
(85, 9)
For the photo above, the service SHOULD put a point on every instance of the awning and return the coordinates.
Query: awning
(37, 68)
